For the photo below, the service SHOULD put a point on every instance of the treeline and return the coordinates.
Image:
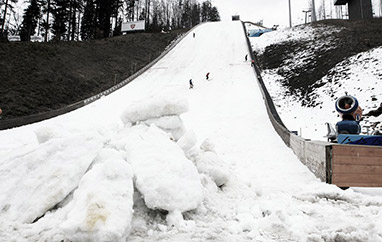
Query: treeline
(71, 20)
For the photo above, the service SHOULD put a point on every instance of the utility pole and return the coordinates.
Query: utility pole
(290, 15)
(314, 18)
(323, 9)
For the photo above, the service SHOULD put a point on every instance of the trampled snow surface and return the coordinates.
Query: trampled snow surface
(201, 164)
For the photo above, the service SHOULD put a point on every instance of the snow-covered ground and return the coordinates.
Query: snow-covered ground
(359, 76)
(157, 161)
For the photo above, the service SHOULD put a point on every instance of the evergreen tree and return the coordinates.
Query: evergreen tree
(88, 24)
(214, 14)
(186, 15)
(118, 27)
(60, 19)
(209, 13)
(130, 7)
(30, 20)
(116, 7)
(75, 7)
(206, 6)
(46, 9)
(104, 14)
(195, 14)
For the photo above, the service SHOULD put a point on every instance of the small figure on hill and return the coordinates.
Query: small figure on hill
(191, 84)
(193, 35)
(207, 76)
(246, 57)
(252, 62)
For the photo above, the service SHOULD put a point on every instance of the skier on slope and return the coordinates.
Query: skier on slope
(191, 84)
(207, 76)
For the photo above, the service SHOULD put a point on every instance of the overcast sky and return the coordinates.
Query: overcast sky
(270, 11)
(274, 11)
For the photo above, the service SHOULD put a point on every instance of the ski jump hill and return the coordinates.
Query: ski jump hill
(211, 154)
(192, 58)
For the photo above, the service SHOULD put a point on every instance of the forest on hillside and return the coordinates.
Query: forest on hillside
(73, 20)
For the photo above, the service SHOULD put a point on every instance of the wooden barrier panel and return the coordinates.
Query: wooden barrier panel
(297, 144)
(356, 165)
(316, 158)
(313, 154)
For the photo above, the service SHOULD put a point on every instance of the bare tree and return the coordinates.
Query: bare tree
(8, 5)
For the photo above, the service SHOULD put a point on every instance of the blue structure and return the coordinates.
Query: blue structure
(348, 127)
(257, 32)
(352, 139)
(259, 29)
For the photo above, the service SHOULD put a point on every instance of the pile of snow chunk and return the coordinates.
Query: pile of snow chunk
(166, 179)
(45, 175)
(163, 111)
(205, 158)
(102, 206)
(80, 183)
(165, 159)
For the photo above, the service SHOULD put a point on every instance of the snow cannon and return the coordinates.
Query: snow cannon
(348, 105)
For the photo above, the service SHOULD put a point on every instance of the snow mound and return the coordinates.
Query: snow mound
(102, 204)
(44, 175)
(46, 133)
(206, 159)
(154, 107)
(187, 142)
(171, 124)
(163, 175)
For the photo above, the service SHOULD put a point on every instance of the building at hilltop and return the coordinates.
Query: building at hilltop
(358, 9)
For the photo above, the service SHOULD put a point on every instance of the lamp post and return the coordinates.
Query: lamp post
(314, 18)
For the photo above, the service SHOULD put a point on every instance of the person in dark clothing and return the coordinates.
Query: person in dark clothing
(246, 57)
(252, 62)
(193, 34)
(207, 76)
(191, 84)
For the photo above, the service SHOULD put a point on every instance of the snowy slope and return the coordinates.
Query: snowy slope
(229, 177)
(359, 76)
